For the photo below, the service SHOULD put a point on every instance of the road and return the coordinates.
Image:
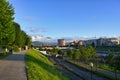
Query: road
(65, 70)
(79, 74)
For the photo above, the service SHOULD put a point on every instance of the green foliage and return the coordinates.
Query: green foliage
(16, 48)
(76, 54)
(7, 31)
(87, 52)
(110, 59)
(69, 53)
(54, 51)
(10, 32)
(40, 68)
(17, 34)
(28, 40)
(60, 52)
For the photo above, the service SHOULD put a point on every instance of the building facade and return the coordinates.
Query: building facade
(61, 42)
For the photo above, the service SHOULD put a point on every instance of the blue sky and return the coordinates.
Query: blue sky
(68, 18)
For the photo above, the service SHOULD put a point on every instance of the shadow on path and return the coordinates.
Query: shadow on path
(15, 57)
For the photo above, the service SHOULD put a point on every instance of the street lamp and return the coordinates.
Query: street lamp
(91, 65)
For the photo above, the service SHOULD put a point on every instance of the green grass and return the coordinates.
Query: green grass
(94, 71)
(40, 68)
(106, 67)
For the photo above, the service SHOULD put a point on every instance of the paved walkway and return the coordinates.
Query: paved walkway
(13, 67)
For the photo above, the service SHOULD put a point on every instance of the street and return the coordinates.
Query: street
(74, 72)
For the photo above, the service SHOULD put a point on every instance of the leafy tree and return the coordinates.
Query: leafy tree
(28, 40)
(54, 51)
(110, 59)
(69, 53)
(91, 51)
(23, 37)
(17, 34)
(76, 54)
(84, 53)
(61, 52)
(87, 52)
(7, 31)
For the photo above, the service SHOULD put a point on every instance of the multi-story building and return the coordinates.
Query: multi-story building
(76, 43)
(61, 42)
(90, 42)
(108, 42)
(102, 42)
(80, 43)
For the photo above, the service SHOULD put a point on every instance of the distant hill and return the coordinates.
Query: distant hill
(37, 43)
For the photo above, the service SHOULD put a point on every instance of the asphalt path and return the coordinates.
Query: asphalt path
(13, 67)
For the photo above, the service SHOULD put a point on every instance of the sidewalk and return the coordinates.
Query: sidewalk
(13, 67)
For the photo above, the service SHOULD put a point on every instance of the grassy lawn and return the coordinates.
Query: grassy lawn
(40, 68)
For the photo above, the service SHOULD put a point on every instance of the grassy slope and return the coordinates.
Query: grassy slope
(40, 68)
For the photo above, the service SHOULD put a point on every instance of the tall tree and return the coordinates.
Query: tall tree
(17, 34)
(7, 31)
(23, 37)
(87, 52)
(28, 40)
(69, 53)
(76, 54)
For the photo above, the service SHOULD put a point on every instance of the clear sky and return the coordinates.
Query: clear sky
(68, 18)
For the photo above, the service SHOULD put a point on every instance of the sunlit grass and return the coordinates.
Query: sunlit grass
(40, 68)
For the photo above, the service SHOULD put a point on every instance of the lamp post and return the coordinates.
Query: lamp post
(91, 65)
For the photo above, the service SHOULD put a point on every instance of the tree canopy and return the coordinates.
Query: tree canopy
(10, 31)
(7, 31)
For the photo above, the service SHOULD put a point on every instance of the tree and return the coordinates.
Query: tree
(28, 40)
(23, 37)
(17, 34)
(87, 52)
(69, 53)
(84, 53)
(110, 59)
(60, 52)
(7, 31)
(76, 54)
(54, 51)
